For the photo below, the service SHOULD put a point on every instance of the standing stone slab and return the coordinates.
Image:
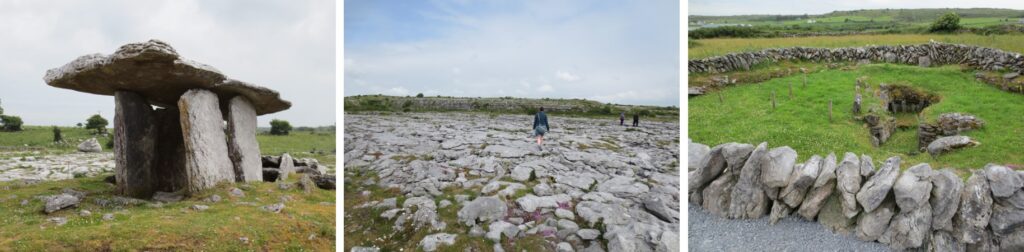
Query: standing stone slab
(242, 144)
(946, 188)
(133, 144)
(879, 185)
(748, 199)
(801, 180)
(975, 208)
(848, 183)
(822, 189)
(717, 195)
(287, 166)
(202, 126)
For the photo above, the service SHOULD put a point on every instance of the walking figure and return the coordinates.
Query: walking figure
(622, 118)
(636, 120)
(540, 126)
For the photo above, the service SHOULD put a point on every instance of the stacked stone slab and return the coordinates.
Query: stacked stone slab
(930, 54)
(920, 209)
(182, 144)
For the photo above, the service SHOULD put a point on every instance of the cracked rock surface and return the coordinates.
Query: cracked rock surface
(592, 183)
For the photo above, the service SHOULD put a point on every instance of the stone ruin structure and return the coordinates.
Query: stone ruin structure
(924, 55)
(946, 127)
(182, 144)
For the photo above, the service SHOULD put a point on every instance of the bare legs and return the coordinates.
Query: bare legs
(540, 140)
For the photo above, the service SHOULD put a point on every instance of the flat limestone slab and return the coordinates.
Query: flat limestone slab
(156, 71)
(206, 159)
(245, 150)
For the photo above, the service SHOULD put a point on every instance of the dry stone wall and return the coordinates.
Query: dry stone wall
(929, 54)
(920, 208)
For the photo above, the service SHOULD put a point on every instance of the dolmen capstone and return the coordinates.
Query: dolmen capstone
(183, 144)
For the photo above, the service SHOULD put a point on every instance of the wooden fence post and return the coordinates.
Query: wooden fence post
(773, 100)
(790, 90)
(830, 110)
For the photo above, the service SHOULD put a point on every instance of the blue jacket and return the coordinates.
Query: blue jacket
(541, 119)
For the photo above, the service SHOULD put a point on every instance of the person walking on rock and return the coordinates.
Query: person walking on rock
(622, 118)
(636, 120)
(540, 126)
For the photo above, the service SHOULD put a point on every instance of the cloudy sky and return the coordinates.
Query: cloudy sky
(610, 51)
(286, 45)
(741, 7)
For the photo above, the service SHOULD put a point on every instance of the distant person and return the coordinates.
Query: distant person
(622, 118)
(540, 126)
(636, 120)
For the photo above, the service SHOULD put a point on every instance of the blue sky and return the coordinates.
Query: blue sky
(744, 7)
(610, 51)
(286, 45)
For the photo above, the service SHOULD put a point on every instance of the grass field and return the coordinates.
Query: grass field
(716, 47)
(304, 224)
(301, 144)
(802, 122)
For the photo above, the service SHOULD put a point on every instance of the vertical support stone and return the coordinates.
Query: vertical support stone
(169, 166)
(242, 144)
(133, 144)
(206, 151)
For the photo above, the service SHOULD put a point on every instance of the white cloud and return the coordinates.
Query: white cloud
(566, 76)
(546, 88)
(287, 46)
(399, 91)
(523, 48)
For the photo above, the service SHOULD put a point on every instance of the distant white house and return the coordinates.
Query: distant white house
(811, 21)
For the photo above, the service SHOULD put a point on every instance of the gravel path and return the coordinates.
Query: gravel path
(711, 233)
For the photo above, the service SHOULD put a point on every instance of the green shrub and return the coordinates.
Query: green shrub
(420, 95)
(10, 123)
(96, 122)
(279, 127)
(949, 22)
(57, 138)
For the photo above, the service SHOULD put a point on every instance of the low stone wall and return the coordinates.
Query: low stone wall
(923, 54)
(919, 208)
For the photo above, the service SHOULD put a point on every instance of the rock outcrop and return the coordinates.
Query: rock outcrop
(182, 144)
